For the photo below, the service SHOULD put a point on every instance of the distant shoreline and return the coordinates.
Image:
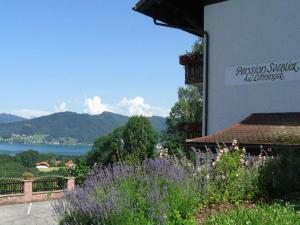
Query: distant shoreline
(14, 148)
(22, 143)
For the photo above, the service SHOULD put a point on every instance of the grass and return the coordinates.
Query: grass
(262, 214)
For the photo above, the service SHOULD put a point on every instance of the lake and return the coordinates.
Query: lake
(57, 149)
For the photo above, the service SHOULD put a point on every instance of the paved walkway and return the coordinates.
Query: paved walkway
(40, 213)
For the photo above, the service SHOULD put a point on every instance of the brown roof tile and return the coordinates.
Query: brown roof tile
(259, 128)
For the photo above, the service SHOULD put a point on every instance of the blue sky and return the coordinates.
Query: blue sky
(87, 56)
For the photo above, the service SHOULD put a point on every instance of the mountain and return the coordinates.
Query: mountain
(8, 118)
(82, 127)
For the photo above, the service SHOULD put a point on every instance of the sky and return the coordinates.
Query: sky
(87, 56)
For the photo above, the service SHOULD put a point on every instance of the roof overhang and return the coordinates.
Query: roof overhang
(186, 15)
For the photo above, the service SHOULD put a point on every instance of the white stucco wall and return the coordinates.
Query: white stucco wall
(246, 32)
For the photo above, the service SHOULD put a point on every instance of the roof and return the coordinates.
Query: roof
(259, 128)
(42, 164)
(186, 15)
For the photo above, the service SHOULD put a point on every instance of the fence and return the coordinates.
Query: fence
(49, 183)
(11, 186)
(14, 190)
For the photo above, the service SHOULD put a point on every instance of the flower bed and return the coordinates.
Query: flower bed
(159, 191)
(169, 191)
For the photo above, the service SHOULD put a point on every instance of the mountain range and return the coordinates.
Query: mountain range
(8, 118)
(83, 128)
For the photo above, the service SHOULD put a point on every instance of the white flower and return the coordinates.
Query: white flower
(234, 142)
(244, 150)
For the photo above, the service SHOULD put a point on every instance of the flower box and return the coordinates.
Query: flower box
(193, 64)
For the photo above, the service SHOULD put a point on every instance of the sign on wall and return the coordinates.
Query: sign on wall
(265, 72)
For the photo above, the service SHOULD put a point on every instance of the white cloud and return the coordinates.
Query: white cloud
(137, 106)
(30, 113)
(95, 106)
(61, 108)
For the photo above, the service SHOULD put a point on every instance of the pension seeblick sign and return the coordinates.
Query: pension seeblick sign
(262, 73)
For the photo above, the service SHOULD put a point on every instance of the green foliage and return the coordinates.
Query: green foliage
(280, 177)
(139, 138)
(188, 109)
(180, 200)
(197, 47)
(11, 169)
(260, 215)
(133, 142)
(80, 172)
(27, 174)
(147, 194)
(28, 158)
(231, 180)
(15, 166)
(69, 126)
(107, 149)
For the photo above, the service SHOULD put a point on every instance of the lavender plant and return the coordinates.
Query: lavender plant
(159, 191)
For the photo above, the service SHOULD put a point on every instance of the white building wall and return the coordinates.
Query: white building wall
(246, 32)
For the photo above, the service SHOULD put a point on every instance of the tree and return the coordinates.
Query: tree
(135, 141)
(187, 110)
(11, 169)
(28, 158)
(107, 149)
(139, 138)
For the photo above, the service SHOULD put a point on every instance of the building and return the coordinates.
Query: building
(42, 165)
(251, 65)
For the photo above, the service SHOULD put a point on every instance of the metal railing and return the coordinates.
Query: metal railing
(49, 183)
(11, 186)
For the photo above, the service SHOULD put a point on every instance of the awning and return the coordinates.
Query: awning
(186, 15)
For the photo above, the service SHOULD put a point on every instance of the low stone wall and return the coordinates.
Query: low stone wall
(29, 196)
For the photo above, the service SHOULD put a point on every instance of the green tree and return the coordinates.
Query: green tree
(139, 138)
(187, 110)
(11, 169)
(28, 158)
(135, 141)
(107, 149)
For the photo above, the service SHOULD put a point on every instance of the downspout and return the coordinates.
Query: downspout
(205, 73)
(205, 86)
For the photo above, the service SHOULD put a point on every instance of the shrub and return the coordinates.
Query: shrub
(27, 175)
(160, 191)
(232, 178)
(260, 215)
(79, 172)
(280, 177)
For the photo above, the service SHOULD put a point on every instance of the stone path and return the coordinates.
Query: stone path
(40, 213)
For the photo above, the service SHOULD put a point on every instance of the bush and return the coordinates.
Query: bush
(159, 191)
(260, 215)
(280, 177)
(27, 175)
(80, 172)
(232, 179)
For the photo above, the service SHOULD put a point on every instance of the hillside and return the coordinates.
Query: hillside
(82, 127)
(8, 118)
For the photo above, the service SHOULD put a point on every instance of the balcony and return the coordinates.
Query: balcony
(193, 64)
